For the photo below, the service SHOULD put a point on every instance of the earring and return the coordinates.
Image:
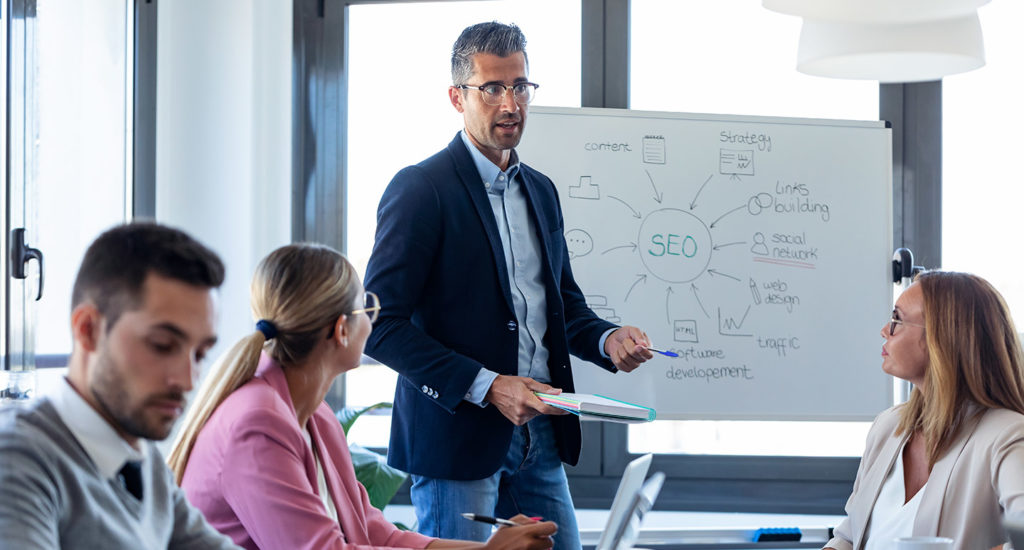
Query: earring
(344, 341)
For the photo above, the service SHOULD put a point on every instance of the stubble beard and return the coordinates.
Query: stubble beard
(509, 143)
(109, 391)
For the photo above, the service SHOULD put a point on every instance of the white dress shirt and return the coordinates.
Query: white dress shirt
(892, 518)
(108, 450)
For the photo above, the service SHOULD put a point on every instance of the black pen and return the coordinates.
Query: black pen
(489, 519)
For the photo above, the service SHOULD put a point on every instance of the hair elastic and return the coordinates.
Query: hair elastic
(267, 328)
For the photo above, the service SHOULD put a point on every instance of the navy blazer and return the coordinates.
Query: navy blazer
(439, 269)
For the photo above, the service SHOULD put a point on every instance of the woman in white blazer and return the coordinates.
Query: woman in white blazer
(950, 461)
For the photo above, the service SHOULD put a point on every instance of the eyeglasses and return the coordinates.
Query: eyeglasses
(371, 306)
(897, 321)
(494, 94)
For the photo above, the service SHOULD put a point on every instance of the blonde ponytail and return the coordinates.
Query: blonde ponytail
(228, 374)
(297, 292)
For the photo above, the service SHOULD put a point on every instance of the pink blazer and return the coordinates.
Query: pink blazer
(254, 477)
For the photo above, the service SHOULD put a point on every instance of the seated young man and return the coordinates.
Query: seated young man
(79, 470)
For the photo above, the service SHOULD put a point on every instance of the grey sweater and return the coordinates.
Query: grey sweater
(52, 495)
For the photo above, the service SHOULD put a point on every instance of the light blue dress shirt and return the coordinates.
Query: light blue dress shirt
(523, 263)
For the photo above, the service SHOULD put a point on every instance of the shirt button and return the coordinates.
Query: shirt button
(512, 325)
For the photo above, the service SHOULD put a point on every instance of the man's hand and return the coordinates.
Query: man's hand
(627, 348)
(513, 395)
(529, 535)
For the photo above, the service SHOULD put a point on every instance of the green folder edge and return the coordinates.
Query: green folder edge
(651, 413)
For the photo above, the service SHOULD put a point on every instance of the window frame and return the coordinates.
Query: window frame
(780, 484)
(140, 166)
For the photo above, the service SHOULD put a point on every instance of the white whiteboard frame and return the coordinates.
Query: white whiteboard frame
(885, 386)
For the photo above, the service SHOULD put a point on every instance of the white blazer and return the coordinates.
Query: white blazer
(971, 488)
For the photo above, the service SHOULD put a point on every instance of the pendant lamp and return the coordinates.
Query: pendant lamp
(891, 52)
(875, 11)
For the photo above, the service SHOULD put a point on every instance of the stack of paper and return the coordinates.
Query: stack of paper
(604, 408)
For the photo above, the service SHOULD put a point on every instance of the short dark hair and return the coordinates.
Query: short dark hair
(494, 38)
(116, 264)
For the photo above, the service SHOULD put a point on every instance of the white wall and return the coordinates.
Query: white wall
(223, 136)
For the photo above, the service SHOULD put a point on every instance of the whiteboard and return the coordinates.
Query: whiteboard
(757, 248)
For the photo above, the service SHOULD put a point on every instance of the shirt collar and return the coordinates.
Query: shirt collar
(104, 446)
(488, 170)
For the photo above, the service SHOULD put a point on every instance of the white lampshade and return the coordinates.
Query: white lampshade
(906, 52)
(875, 11)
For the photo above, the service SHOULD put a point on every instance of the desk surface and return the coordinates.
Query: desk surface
(694, 530)
(712, 529)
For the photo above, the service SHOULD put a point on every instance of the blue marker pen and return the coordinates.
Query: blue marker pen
(665, 353)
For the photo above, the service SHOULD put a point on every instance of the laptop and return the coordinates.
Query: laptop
(633, 499)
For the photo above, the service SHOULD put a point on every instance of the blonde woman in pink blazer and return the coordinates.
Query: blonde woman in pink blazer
(950, 461)
(262, 455)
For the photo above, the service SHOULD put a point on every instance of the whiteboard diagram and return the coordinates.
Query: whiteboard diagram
(755, 248)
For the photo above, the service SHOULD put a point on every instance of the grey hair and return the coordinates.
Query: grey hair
(494, 38)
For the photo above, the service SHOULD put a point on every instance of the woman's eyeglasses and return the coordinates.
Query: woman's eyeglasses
(895, 320)
(371, 306)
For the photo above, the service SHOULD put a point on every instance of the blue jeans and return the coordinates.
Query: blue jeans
(531, 482)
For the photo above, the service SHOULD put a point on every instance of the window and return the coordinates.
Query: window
(980, 191)
(70, 108)
(731, 57)
(738, 58)
(84, 107)
(399, 114)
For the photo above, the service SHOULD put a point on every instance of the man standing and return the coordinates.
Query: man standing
(482, 310)
(78, 470)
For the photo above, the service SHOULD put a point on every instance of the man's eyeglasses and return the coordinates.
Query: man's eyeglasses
(371, 306)
(494, 94)
(897, 321)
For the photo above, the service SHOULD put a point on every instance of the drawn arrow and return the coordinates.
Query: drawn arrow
(635, 213)
(717, 246)
(716, 272)
(741, 207)
(630, 245)
(657, 195)
(639, 278)
(694, 289)
(668, 316)
(693, 203)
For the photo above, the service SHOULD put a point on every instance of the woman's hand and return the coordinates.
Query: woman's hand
(528, 535)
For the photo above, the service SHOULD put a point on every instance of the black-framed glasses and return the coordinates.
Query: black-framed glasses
(494, 93)
(371, 306)
(897, 321)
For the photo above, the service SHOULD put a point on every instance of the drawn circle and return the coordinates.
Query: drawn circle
(759, 202)
(675, 246)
